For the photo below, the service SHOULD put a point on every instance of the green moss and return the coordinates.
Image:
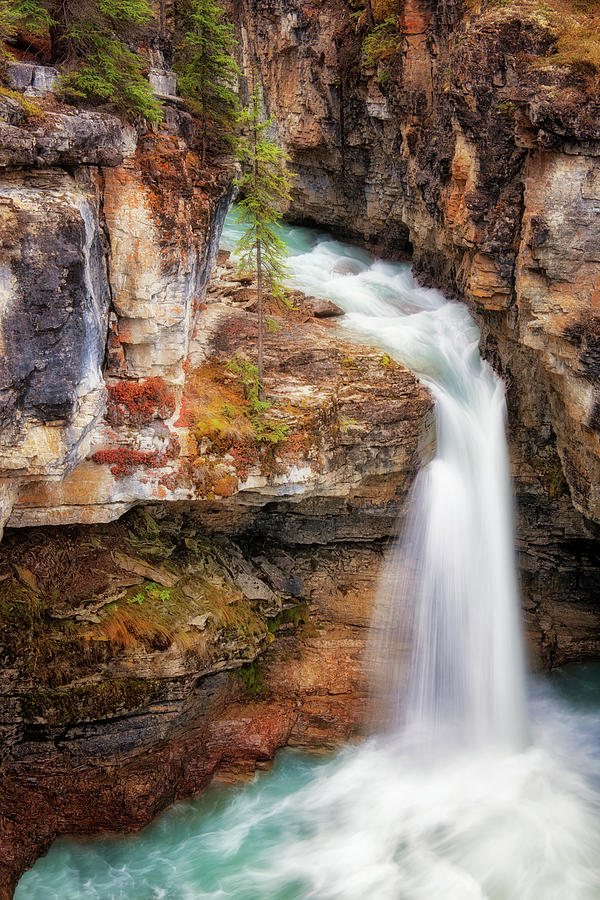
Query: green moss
(549, 469)
(295, 615)
(41, 648)
(31, 110)
(557, 483)
(265, 428)
(145, 536)
(98, 700)
(506, 108)
(251, 676)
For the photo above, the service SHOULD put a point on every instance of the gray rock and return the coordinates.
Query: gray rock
(19, 75)
(285, 583)
(56, 296)
(31, 79)
(45, 80)
(163, 82)
(85, 138)
(325, 309)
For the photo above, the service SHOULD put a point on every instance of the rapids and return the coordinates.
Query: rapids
(471, 791)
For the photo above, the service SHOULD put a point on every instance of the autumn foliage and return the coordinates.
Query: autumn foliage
(139, 402)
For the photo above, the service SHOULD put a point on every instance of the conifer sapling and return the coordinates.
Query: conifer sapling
(207, 71)
(264, 186)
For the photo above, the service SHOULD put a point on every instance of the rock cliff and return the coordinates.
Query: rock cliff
(226, 617)
(467, 146)
(191, 639)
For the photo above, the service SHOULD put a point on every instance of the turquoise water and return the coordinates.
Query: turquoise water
(497, 812)
(315, 827)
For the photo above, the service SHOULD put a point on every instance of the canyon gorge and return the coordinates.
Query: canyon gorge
(180, 595)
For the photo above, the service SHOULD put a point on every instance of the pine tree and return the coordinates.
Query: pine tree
(207, 70)
(264, 186)
(89, 39)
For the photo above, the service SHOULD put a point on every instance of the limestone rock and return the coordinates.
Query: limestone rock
(31, 79)
(67, 139)
(53, 315)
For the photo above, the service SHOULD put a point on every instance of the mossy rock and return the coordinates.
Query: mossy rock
(94, 701)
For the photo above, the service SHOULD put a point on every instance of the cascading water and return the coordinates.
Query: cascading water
(449, 588)
(452, 801)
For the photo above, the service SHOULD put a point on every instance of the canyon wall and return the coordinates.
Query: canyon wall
(145, 651)
(457, 149)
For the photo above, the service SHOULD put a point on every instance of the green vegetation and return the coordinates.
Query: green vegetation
(264, 186)
(547, 464)
(90, 41)
(265, 429)
(382, 42)
(21, 15)
(96, 700)
(207, 70)
(251, 676)
(296, 615)
(378, 22)
(575, 25)
(31, 109)
(578, 37)
(91, 38)
(151, 591)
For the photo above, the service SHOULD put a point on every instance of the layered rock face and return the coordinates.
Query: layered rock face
(190, 640)
(109, 238)
(227, 617)
(146, 651)
(457, 148)
(142, 686)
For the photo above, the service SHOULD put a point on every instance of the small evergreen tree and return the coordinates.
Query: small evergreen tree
(7, 28)
(90, 36)
(207, 70)
(264, 186)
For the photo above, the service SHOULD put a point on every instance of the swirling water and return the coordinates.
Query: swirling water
(470, 792)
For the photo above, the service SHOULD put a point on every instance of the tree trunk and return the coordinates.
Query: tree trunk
(261, 390)
(58, 48)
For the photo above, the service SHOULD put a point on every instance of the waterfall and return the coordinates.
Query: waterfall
(448, 594)
(449, 588)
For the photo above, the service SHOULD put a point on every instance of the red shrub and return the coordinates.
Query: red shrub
(123, 461)
(138, 402)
